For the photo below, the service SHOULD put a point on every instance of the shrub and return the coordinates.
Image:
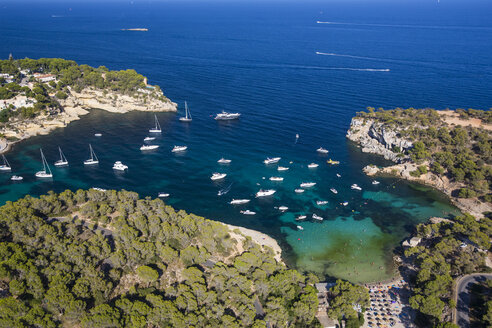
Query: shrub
(466, 193)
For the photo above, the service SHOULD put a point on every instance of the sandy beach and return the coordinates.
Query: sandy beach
(258, 237)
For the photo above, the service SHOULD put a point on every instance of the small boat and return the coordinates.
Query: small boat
(179, 148)
(93, 160)
(321, 150)
(265, 193)
(317, 217)
(225, 116)
(307, 184)
(355, 187)
(313, 165)
(321, 202)
(98, 189)
(218, 176)
(272, 160)
(157, 128)
(16, 178)
(283, 208)
(149, 147)
(46, 172)
(163, 195)
(299, 228)
(332, 162)
(97, 134)
(333, 190)
(299, 190)
(375, 182)
(276, 179)
(187, 117)
(63, 160)
(149, 138)
(338, 175)
(119, 166)
(224, 161)
(301, 217)
(5, 166)
(282, 168)
(247, 212)
(224, 191)
(297, 135)
(344, 203)
(239, 201)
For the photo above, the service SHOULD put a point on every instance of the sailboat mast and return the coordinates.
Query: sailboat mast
(6, 163)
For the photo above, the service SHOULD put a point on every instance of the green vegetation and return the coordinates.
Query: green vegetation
(462, 154)
(481, 304)
(110, 259)
(344, 298)
(448, 249)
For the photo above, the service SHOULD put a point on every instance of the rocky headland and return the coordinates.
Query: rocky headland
(395, 140)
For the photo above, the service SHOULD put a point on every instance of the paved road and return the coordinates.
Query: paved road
(463, 297)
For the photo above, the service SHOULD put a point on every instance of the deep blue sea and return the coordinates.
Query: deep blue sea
(260, 59)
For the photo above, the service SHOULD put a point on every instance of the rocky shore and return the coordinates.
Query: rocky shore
(77, 105)
(374, 137)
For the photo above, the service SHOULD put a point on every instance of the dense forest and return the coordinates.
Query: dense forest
(448, 249)
(109, 259)
(69, 76)
(463, 154)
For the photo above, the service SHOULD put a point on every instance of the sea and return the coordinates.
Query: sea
(289, 67)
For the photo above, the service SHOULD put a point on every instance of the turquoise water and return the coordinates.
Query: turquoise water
(260, 59)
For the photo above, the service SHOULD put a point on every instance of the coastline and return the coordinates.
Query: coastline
(260, 238)
(76, 106)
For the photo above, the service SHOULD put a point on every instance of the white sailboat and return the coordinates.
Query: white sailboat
(5, 166)
(63, 160)
(46, 172)
(187, 117)
(93, 160)
(157, 128)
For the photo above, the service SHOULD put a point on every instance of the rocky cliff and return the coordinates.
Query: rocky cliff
(374, 137)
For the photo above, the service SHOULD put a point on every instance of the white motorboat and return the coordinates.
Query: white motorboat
(321, 150)
(375, 182)
(247, 212)
(344, 203)
(300, 228)
(333, 190)
(239, 201)
(278, 179)
(163, 195)
(62, 161)
(149, 138)
(149, 147)
(16, 178)
(355, 187)
(157, 128)
(272, 160)
(98, 189)
(119, 166)
(5, 166)
(46, 172)
(301, 217)
(283, 208)
(224, 161)
(299, 190)
(93, 160)
(307, 184)
(225, 116)
(317, 217)
(338, 175)
(218, 176)
(321, 202)
(282, 168)
(97, 134)
(313, 165)
(187, 117)
(265, 193)
(177, 149)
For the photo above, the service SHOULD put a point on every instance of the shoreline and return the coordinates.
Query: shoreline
(258, 237)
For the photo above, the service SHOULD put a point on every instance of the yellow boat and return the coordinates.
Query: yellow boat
(332, 162)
